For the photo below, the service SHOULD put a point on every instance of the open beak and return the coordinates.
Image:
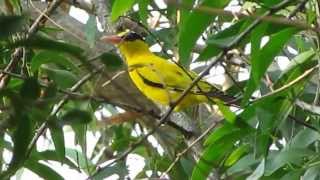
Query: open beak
(112, 39)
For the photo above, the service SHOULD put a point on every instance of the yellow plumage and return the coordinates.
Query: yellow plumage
(160, 80)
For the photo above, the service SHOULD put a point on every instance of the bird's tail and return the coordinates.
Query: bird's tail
(218, 94)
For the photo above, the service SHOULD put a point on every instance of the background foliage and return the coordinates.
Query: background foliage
(53, 68)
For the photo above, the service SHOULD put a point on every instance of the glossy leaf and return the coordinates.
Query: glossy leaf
(304, 138)
(58, 139)
(193, 27)
(41, 42)
(284, 157)
(120, 7)
(43, 170)
(10, 25)
(76, 116)
(227, 113)
(82, 161)
(312, 173)
(143, 11)
(258, 172)
(244, 164)
(212, 156)
(297, 66)
(46, 57)
(263, 58)
(21, 139)
(236, 155)
(119, 169)
(111, 61)
(30, 89)
(91, 30)
(53, 156)
(63, 78)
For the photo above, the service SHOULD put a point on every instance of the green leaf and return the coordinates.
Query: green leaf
(193, 27)
(304, 138)
(165, 35)
(41, 42)
(263, 58)
(298, 65)
(143, 11)
(52, 156)
(212, 156)
(292, 175)
(82, 161)
(64, 79)
(312, 173)
(286, 156)
(90, 30)
(122, 137)
(187, 165)
(57, 138)
(42, 170)
(258, 172)
(222, 131)
(45, 57)
(10, 25)
(21, 139)
(111, 60)
(236, 154)
(30, 89)
(120, 7)
(243, 165)
(256, 38)
(227, 113)
(76, 116)
(120, 169)
(185, 12)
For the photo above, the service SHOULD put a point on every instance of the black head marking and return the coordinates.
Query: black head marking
(131, 36)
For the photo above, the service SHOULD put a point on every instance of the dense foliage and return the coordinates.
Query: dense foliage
(57, 79)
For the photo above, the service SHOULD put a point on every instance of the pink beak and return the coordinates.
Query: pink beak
(112, 39)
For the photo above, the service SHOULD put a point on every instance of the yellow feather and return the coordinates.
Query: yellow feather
(160, 80)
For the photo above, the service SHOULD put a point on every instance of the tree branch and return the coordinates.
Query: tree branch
(268, 18)
(179, 155)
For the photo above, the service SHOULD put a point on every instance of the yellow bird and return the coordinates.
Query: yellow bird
(158, 79)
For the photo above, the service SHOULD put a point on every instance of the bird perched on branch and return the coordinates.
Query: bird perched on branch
(160, 80)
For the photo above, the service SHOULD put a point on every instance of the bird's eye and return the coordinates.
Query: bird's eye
(132, 36)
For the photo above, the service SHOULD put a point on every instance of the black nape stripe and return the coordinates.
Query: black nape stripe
(150, 83)
(131, 36)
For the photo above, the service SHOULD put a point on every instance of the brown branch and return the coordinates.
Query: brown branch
(268, 18)
(127, 107)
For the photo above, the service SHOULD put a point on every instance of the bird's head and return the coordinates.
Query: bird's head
(128, 42)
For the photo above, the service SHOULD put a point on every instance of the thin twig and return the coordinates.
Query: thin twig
(113, 78)
(289, 85)
(57, 108)
(179, 155)
(232, 78)
(303, 123)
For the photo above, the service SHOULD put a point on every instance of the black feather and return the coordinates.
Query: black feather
(132, 36)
